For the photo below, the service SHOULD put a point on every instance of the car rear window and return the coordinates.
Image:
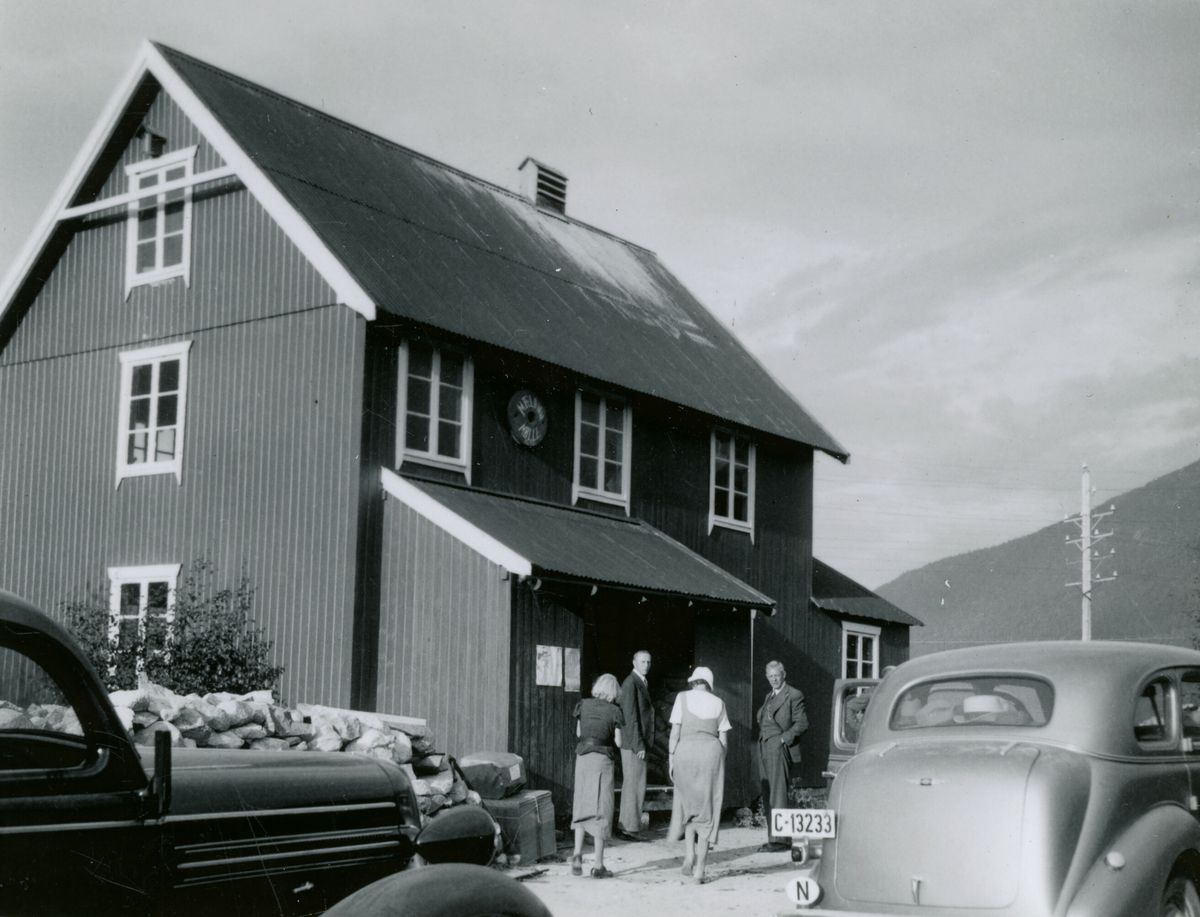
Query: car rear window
(993, 700)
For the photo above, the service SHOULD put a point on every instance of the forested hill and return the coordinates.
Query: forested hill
(1016, 591)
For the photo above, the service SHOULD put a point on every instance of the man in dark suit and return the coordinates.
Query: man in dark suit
(781, 720)
(637, 738)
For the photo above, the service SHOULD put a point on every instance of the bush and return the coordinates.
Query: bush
(212, 643)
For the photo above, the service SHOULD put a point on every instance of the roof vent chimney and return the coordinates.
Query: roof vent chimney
(545, 186)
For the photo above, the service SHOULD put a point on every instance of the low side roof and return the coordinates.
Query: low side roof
(836, 592)
(437, 246)
(542, 539)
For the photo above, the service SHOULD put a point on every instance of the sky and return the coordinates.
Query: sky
(966, 236)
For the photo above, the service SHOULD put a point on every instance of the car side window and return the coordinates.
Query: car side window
(1189, 702)
(1152, 719)
(38, 726)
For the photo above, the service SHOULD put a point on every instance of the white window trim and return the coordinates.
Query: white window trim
(727, 522)
(129, 359)
(184, 157)
(600, 495)
(860, 630)
(120, 576)
(431, 458)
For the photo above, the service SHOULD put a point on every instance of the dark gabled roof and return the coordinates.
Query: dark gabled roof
(593, 548)
(434, 245)
(836, 592)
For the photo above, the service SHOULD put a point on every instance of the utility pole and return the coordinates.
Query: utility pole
(1088, 536)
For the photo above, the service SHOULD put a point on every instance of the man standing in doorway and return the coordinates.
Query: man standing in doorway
(636, 740)
(781, 720)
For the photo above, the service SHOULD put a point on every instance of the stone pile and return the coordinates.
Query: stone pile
(255, 721)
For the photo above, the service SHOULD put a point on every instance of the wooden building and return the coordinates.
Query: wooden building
(471, 451)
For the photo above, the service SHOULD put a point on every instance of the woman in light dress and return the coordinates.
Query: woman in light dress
(699, 727)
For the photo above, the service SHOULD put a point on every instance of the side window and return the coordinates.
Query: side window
(158, 241)
(1152, 719)
(731, 482)
(141, 610)
(151, 412)
(1189, 703)
(33, 713)
(860, 650)
(854, 707)
(603, 434)
(436, 394)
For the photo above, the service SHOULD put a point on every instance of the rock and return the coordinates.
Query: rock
(458, 793)
(135, 700)
(474, 798)
(441, 784)
(401, 748)
(217, 698)
(144, 718)
(217, 719)
(421, 788)
(431, 804)
(239, 713)
(326, 738)
(146, 736)
(191, 724)
(301, 729)
(269, 744)
(266, 698)
(422, 746)
(14, 719)
(294, 742)
(371, 742)
(251, 732)
(279, 721)
(125, 714)
(224, 740)
(189, 743)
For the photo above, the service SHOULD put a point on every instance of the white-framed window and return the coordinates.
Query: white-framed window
(436, 397)
(153, 401)
(731, 481)
(603, 439)
(860, 650)
(141, 602)
(159, 238)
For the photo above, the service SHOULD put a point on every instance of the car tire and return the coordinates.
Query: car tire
(1180, 898)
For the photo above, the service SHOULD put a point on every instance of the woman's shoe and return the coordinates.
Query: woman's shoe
(577, 866)
(687, 868)
(698, 880)
(601, 873)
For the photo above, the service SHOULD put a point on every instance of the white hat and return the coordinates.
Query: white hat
(702, 673)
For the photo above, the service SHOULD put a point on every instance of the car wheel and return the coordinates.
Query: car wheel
(1180, 898)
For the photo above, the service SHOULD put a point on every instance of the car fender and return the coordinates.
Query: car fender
(1129, 877)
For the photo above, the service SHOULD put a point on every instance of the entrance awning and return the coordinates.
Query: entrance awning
(532, 538)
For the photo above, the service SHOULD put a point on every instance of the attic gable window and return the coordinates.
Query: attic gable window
(436, 395)
(158, 241)
(731, 482)
(150, 419)
(603, 437)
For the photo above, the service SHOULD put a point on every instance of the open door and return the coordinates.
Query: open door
(850, 697)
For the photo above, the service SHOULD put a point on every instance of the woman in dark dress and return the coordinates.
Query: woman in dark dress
(598, 724)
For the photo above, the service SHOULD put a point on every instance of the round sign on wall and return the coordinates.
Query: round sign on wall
(803, 890)
(527, 418)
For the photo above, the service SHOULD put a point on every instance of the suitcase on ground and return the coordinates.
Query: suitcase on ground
(526, 822)
(493, 774)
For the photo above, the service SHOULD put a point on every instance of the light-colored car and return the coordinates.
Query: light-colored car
(1033, 779)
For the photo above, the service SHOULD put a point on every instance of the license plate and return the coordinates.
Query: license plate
(803, 822)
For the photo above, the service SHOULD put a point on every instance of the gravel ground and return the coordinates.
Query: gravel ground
(647, 880)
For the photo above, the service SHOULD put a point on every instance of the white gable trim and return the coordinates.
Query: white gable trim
(346, 288)
(446, 519)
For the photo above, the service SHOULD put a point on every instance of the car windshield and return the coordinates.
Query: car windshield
(992, 700)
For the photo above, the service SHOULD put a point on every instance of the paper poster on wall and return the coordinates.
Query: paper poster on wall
(549, 666)
(571, 669)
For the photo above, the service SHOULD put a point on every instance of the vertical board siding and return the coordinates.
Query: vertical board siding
(244, 267)
(444, 635)
(166, 119)
(541, 718)
(270, 477)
